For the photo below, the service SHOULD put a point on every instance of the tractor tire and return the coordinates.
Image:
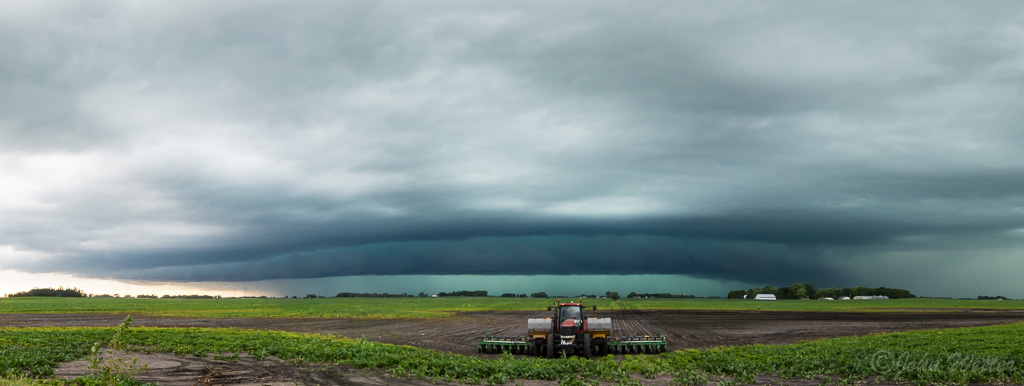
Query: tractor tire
(588, 349)
(551, 346)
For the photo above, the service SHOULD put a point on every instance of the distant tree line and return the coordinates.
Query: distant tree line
(511, 295)
(373, 295)
(806, 290)
(998, 297)
(51, 292)
(662, 295)
(463, 293)
(190, 297)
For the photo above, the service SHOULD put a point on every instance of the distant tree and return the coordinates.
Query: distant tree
(809, 289)
(539, 295)
(463, 293)
(806, 290)
(311, 296)
(508, 295)
(374, 295)
(830, 292)
(521, 296)
(612, 295)
(52, 292)
(766, 290)
(184, 296)
(997, 297)
(632, 295)
(798, 291)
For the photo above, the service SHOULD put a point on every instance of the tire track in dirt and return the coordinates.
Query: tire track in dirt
(635, 322)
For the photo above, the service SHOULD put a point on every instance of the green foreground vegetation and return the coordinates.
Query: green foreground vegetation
(446, 307)
(964, 355)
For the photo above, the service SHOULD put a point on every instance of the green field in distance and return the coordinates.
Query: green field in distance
(445, 307)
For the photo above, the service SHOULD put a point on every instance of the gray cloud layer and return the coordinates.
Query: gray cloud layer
(258, 140)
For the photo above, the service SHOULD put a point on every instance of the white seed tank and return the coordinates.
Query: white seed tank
(599, 324)
(538, 327)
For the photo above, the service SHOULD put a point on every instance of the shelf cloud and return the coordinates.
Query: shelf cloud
(762, 143)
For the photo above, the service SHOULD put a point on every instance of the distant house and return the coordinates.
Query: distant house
(764, 297)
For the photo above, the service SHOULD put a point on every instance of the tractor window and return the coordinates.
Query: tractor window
(572, 312)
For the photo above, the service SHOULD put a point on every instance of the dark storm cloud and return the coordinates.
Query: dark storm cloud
(260, 140)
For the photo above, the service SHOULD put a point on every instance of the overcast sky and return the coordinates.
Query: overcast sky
(717, 144)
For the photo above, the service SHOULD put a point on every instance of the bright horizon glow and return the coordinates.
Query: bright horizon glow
(13, 282)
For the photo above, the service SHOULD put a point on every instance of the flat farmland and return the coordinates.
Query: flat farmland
(456, 324)
(442, 333)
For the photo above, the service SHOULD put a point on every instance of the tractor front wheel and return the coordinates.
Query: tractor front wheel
(551, 346)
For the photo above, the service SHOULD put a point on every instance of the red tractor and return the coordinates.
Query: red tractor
(570, 331)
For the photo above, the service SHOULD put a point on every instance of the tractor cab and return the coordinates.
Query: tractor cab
(570, 313)
(566, 313)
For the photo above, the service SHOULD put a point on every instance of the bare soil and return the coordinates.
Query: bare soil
(459, 334)
(174, 370)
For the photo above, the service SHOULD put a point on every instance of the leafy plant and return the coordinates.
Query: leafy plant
(113, 369)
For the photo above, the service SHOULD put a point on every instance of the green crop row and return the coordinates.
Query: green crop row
(446, 307)
(966, 355)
